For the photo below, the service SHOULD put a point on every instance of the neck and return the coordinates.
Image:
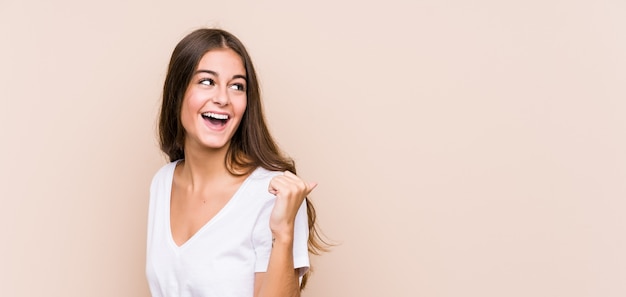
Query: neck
(202, 165)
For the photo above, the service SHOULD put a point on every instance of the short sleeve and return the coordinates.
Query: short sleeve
(262, 239)
(301, 240)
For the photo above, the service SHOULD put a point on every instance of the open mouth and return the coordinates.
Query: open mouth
(216, 118)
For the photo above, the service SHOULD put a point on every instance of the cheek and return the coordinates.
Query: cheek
(184, 116)
(193, 100)
(239, 107)
(187, 113)
(242, 105)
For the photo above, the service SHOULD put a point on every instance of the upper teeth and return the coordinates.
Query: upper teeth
(216, 115)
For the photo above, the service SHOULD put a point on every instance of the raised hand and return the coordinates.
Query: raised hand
(290, 191)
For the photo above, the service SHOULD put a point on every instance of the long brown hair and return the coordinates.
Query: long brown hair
(252, 145)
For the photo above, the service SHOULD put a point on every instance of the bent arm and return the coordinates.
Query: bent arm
(281, 279)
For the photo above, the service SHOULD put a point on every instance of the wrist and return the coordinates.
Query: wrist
(282, 237)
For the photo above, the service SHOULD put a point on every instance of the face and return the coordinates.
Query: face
(214, 101)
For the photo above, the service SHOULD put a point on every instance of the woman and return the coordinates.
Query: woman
(228, 215)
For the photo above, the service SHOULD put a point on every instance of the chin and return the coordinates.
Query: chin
(216, 145)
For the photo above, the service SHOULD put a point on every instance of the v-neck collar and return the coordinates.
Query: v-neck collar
(222, 212)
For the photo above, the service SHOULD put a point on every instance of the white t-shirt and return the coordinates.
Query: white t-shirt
(220, 260)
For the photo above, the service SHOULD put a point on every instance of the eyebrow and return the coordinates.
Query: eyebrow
(216, 74)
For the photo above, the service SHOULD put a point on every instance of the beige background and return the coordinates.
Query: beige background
(463, 148)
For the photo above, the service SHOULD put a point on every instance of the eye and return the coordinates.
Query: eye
(238, 87)
(207, 82)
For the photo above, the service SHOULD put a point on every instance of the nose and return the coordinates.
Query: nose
(221, 97)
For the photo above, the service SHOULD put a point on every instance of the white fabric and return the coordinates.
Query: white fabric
(222, 257)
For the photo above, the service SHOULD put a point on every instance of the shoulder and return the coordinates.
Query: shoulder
(164, 173)
(257, 184)
(262, 174)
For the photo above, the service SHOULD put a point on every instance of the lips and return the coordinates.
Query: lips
(216, 120)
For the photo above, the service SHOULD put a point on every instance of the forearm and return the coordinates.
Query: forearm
(281, 279)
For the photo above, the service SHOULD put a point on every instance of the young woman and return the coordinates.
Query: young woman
(228, 216)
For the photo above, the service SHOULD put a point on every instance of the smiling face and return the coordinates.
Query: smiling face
(215, 100)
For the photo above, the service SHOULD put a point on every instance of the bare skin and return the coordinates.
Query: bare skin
(194, 204)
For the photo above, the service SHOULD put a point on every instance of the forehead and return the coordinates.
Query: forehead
(222, 60)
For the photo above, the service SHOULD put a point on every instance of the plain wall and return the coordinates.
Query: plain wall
(463, 148)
